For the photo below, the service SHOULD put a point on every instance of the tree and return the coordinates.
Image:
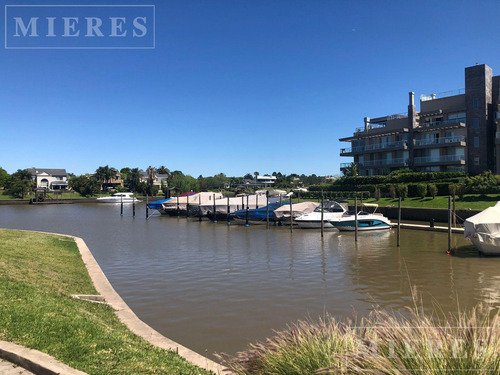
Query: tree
(133, 180)
(84, 185)
(105, 174)
(22, 183)
(351, 170)
(248, 176)
(402, 190)
(433, 190)
(151, 172)
(5, 178)
(124, 172)
(422, 190)
(163, 170)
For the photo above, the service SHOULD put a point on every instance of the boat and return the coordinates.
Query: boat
(223, 205)
(257, 215)
(187, 203)
(119, 198)
(483, 230)
(331, 210)
(366, 220)
(298, 209)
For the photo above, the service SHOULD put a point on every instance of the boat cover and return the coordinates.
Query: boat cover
(194, 200)
(235, 204)
(298, 209)
(259, 213)
(485, 226)
(156, 205)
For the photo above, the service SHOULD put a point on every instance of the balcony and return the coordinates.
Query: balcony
(401, 162)
(497, 138)
(400, 145)
(443, 159)
(446, 142)
(448, 124)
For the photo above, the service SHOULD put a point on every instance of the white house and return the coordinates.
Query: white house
(266, 180)
(52, 179)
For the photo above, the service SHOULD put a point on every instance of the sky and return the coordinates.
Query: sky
(236, 86)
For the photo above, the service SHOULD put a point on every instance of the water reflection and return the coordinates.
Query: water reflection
(217, 287)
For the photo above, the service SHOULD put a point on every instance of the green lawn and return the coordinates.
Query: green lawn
(38, 275)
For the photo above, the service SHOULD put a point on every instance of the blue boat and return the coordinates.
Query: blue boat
(257, 215)
(156, 205)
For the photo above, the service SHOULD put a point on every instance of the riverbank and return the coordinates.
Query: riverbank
(39, 274)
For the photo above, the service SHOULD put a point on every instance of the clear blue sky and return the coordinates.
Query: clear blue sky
(237, 86)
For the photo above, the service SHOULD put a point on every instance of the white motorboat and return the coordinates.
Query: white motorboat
(483, 229)
(366, 220)
(119, 198)
(331, 210)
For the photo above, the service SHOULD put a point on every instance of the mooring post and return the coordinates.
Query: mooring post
(147, 208)
(356, 217)
(199, 207)
(399, 220)
(242, 202)
(322, 214)
(178, 212)
(247, 212)
(298, 196)
(449, 224)
(291, 215)
(215, 211)
(187, 206)
(121, 205)
(267, 209)
(228, 213)
(133, 205)
(454, 214)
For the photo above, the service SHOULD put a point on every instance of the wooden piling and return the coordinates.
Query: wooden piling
(267, 209)
(133, 205)
(291, 215)
(449, 224)
(246, 213)
(178, 211)
(147, 208)
(199, 207)
(215, 210)
(228, 214)
(399, 221)
(454, 214)
(187, 206)
(121, 205)
(322, 214)
(356, 218)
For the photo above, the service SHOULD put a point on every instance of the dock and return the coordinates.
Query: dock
(429, 228)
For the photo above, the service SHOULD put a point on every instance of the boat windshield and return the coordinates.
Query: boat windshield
(330, 206)
(352, 213)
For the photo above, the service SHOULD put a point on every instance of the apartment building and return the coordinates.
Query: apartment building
(453, 131)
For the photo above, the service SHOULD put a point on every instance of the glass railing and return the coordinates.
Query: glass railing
(438, 159)
(424, 98)
(375, 163)
(438, 141)
(438, 123)
(374, 147)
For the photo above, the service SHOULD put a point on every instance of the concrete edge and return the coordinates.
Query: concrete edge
(128, 317)
(35, 361)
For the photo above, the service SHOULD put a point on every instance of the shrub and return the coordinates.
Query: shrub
(452, 188)
(422, 190)
(402, 190)
(377, 195)
(433, 190)
(392, 191)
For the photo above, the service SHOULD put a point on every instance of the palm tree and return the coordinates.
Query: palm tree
(351, 170)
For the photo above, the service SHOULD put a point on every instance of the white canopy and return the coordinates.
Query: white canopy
(235, 204)
(194, 200)
(485, 226)
(298, 209)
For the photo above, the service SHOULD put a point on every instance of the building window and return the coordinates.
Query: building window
(476, 160)
(476, 141)
(475, 103)
(476, 123)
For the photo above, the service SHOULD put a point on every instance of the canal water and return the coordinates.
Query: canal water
(216, 288)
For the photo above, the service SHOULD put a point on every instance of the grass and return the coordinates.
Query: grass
(380, 344)
(38, 275)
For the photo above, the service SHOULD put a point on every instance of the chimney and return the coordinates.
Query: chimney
(412, 98)
(367, 123)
